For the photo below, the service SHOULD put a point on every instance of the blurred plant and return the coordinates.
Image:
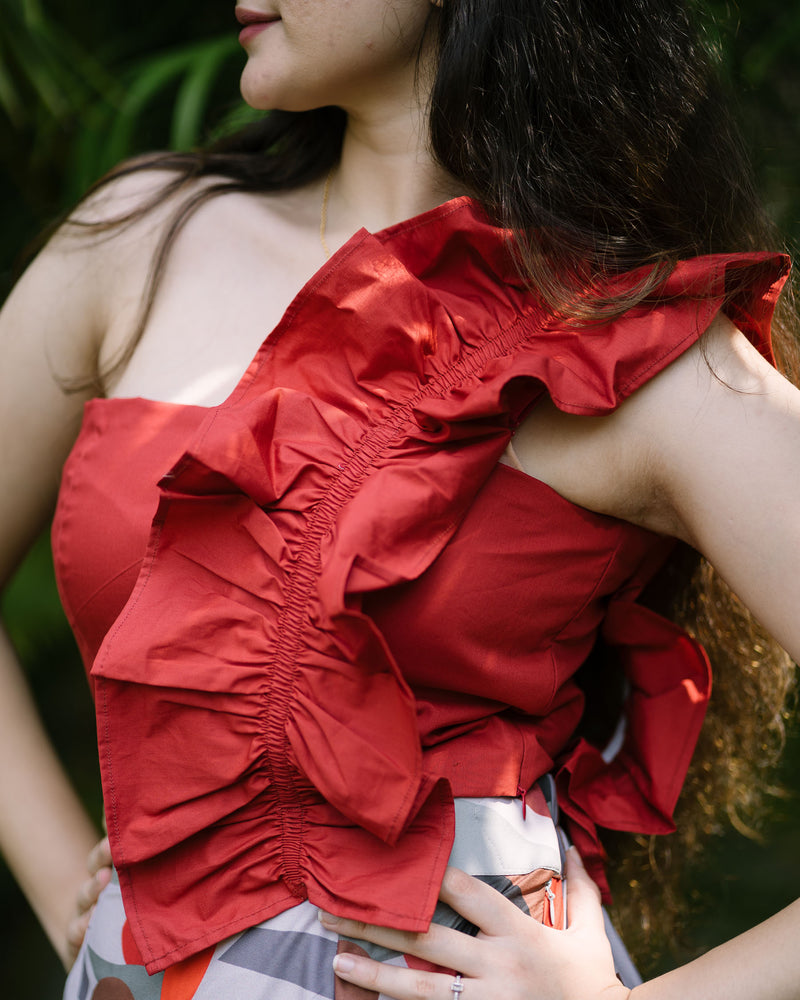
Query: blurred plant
(48, 82)
(68, 115)
(182, 78)
(42, 63)
(758, 43)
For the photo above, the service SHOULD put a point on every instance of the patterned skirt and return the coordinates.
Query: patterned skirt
(289, 957)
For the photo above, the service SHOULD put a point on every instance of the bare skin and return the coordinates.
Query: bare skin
(687, 455)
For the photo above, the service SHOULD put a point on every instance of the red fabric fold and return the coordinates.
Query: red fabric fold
(669, 679)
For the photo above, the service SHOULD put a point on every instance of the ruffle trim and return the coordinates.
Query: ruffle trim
(258, 743)
(636, 787)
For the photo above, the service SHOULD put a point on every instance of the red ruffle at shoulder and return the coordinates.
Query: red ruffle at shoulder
(259, 743)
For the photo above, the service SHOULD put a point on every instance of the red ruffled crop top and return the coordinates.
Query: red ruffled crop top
(316, 612)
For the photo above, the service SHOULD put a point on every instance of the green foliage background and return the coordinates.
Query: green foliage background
(81, 86)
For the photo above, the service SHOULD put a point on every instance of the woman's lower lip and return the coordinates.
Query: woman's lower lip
(251, 30)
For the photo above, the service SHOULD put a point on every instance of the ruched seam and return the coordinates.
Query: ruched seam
(294, 618)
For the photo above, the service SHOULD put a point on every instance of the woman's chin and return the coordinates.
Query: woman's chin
(260, 89)
(255, 94)
(264, 97)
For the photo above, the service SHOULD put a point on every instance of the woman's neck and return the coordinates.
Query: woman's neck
(386, 174)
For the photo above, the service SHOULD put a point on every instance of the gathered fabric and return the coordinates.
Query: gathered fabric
(327, 609)
(289, 957)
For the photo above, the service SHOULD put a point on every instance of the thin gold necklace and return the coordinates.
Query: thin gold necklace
(323, 215)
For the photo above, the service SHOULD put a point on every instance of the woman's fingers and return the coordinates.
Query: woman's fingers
(439, 945)
(88, 895)
(513, 956)
(76, 932)
(99, 857)
(90, 890)
(483, 906)
(583, 896)
(395, 981)
(98, 864)
(480, 904)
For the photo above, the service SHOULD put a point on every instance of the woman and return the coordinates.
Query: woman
(287, 550)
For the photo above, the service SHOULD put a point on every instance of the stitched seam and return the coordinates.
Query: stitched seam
(593, 593)
(626, 388)
(698, 328)
(104, 584)
(269, 909)
(115, 814)
(102, 682)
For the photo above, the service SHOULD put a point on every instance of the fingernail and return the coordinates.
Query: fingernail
(343, 963)
(103, 877)
(327, 918)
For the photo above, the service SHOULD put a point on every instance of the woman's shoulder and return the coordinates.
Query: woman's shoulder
(184, 256)
(128, 208)
(104, 244)
(93, 262)
(156, 199)
(149, 190)
(691, 413)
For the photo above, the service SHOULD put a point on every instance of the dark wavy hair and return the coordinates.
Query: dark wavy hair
(598, 132)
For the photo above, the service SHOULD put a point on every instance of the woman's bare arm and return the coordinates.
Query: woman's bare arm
(718, 438)
(48, 327)
(45, 834)
(77, 301)
(709, 452)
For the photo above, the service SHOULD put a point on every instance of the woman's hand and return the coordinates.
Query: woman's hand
(98, 865)
(513, 956)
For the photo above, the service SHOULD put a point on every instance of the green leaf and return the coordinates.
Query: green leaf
(191, 105)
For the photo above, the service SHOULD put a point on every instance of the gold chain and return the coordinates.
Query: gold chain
(323, 215)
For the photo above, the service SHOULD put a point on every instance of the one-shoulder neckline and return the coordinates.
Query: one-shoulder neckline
(328, 267)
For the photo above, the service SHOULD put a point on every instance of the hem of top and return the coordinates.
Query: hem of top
(219, 933)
